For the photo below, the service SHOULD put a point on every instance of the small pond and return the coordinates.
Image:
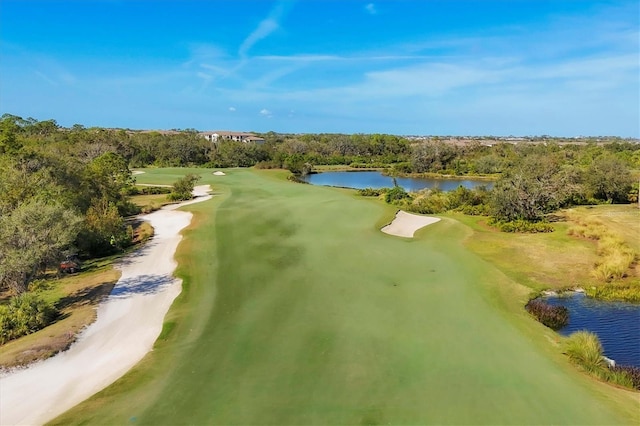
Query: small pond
(617, 324)
(375, 179)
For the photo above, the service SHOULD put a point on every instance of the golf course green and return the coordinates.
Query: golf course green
(296, 309)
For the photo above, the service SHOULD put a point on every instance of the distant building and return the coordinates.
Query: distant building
(220, 135)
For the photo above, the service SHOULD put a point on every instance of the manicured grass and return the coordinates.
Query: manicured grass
(296, 309)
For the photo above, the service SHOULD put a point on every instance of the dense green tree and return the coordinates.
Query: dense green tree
(529, 190)
(104, 231)
(32, 236)
(183, 188)
(608, 178)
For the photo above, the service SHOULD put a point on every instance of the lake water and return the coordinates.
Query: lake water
(374, 179)
(617, 324)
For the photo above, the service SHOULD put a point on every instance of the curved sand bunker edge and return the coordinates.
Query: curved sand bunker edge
(406, 224)
(128, 323)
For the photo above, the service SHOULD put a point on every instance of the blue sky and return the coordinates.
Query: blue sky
(440, 67)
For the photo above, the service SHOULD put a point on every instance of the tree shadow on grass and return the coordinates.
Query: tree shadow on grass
(86, 296)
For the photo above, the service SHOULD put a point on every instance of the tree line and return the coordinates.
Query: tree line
(66, 189)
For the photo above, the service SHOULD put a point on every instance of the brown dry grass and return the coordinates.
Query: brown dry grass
(616, 256)
(538, 261)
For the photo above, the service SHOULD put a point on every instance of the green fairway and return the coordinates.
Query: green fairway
(296, 309)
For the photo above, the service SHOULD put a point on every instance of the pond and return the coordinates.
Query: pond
(617, 324)
(375, 179)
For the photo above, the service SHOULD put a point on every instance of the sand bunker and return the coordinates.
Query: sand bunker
(219, 173)
(128, 324)
(137, 172)
(406, 224)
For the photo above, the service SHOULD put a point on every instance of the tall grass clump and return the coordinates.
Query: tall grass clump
(627, 293)
(584, 348)
(554, 317)
(616, 257)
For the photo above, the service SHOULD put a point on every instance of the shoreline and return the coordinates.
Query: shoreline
(127, 325)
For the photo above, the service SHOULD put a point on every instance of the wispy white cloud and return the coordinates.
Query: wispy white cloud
(232, 109)
(266, 113)
(266, 26)
(371, 9)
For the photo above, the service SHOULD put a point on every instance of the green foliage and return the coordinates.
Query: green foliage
(373, 192)
(25, 314)
(105, 231)
(534, 187)
(521, 225)
(608, 178)
(396, 194)
(32, 236)
(183, 188)
(624, 292)
(109, 178)
(584, 348)
(429, 201)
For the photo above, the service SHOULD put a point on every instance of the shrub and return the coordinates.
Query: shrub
(477, 210)
(25, 314)
(429, 201)
(554, 317)
(584, 348)
(183, 188)
(521, 225)
(396, 193)
(372, 192)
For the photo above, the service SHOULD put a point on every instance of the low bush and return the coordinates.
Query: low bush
(25, 314)
(374, 165)
(584, 348)
(477, 210)
(372, 192)
(521, 225)
(395, 194)
(154, 190)
(554, 317)
(183, 188)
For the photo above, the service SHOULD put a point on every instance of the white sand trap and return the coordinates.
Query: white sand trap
(128, 324)
(406, 224)
(219, 173)
(137, 172)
